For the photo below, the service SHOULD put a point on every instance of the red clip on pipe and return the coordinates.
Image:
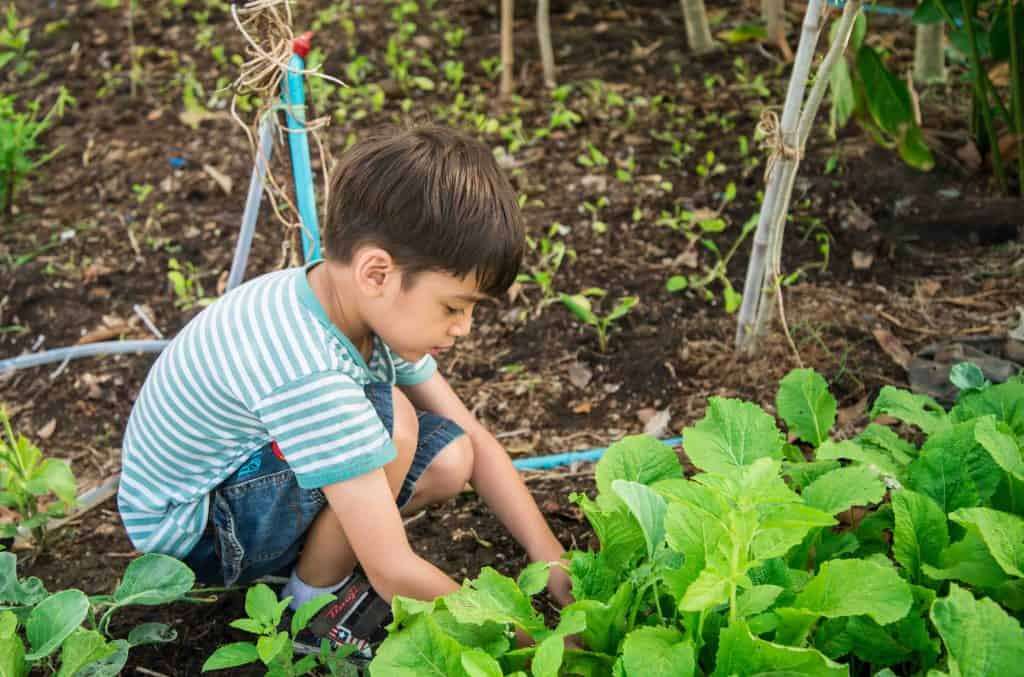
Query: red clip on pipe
(302, 44)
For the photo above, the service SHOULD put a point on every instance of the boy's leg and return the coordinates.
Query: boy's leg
(327, 557)
(445, 477)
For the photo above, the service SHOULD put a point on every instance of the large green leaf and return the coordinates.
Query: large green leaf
(918, 410)
(534, 577)
(805, 404)
(885, 439)
(637, 458)
(606, 621)
(982, 640)
(24, 592)
(842, 489)
(494, 598)
(622, 539)
(154, 579)
(887, 96)
(874, 459)
(853, 587)
(419, 650)
(109, 666)
(732, 434)
(657, 652)
(1002, 532)
(490, 637)
(920, 535)
(997, 439)
(757, 599)
(12, 657)
(81, 648)
(647, 507)
(52, 620)
(709, 590)
(548, 658)
(477, 663)
(1005, 401)
(913, 147)
(967, 560)
(954, 470)
(740, 654)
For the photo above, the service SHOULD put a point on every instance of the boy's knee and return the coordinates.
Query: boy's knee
(405, 427)
(452, 467)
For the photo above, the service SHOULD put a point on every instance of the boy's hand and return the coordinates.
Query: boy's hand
(560, 585)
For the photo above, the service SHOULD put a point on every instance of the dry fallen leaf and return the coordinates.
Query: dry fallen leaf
(222, 179)
(862, 260)
(928, 287)
(579, 375)
(46, 431)
(852, 413)
(657, 426)
(583, 408)
(892, 346)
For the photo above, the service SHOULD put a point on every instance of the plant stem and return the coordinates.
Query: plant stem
(1016, 87)
(981, 90)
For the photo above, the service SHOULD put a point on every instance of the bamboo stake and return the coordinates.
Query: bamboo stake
(787, 141)
(507, 55)
(547, 54)
(698, 33)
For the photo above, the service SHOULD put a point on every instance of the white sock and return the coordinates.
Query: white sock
(301, 592)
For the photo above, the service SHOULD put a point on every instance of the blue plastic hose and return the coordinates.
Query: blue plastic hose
(555, 460)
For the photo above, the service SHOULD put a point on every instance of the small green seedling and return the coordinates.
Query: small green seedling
(275, 647)
(550, 255)
(593, 157)
(580, 306)
(19, 142)
(594, 210)
(25, 477)
(188, 290)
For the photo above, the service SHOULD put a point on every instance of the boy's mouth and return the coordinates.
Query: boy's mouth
(437, 350)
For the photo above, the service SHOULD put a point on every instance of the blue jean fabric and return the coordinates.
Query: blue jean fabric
(259, 515)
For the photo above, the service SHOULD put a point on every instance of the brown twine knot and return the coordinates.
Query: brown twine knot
(770, 127)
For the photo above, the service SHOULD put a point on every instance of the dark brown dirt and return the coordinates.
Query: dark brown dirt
(921, 256)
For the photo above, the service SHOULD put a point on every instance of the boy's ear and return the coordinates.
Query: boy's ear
(373, 267)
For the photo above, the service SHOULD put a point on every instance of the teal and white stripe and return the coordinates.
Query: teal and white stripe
(262, 363)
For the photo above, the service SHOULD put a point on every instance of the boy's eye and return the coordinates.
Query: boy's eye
(453, 311)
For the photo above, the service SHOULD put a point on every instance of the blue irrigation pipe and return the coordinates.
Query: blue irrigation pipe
(294, 97)
(555, 460)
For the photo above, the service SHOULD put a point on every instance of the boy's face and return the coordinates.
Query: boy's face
(429, 315)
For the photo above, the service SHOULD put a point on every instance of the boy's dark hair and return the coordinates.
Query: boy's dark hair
(433, 198)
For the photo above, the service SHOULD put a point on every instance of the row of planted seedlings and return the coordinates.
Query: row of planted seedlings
(895, 552)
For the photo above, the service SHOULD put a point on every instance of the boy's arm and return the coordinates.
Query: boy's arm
(497, 480)
(380, 544)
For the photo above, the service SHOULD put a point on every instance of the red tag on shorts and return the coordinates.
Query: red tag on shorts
(277, 450)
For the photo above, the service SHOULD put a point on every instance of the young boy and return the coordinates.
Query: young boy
(301, 416)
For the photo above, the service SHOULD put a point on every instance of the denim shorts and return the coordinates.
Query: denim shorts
(259, 515)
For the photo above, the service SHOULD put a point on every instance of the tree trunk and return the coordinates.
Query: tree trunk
(698, 34)
(507, 56)
(547, 54)
(929, 54)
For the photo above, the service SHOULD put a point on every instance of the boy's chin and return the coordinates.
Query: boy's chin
(412, 355)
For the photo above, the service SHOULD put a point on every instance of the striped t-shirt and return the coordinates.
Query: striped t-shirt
(262, 363)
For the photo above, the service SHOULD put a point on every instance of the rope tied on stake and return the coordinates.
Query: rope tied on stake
(770, 128)
(266, 27)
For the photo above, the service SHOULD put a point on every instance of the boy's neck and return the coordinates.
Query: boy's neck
(325, 280)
